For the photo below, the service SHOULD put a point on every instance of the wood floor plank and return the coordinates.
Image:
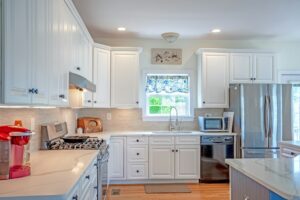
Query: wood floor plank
(199, 192)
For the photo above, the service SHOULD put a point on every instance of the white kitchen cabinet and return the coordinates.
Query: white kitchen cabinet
(252, 68)
(101, 78)
(17, 51)
(187, 162)
(117, 168)
(125, 79)
(179, 160)
(161, 162)
(264, 70)
(213, 80)
(241, 68)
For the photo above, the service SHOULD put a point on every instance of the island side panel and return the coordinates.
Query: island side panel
(243, 187)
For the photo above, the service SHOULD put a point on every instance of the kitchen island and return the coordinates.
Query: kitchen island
(56, 175)
(263, 179)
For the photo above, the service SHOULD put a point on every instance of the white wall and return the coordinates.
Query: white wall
(288, 52)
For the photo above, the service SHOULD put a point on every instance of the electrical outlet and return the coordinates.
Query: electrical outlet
(108, 116)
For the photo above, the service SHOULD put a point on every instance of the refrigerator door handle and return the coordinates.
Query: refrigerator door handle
(270, 118)
(266, 116)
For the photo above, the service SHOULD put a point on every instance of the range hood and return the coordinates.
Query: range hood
(79, 82)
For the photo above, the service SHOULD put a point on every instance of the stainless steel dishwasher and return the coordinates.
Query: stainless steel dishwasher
(214, 151)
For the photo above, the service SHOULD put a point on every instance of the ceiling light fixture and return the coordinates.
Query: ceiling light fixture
(170, 37)
(121, 29)
(216, 30)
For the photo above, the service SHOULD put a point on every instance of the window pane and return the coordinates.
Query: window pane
(296, 112)
(164, 91)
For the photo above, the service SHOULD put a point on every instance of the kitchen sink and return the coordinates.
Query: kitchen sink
(172, 132)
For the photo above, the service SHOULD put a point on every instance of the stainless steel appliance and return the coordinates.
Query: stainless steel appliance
(54, 137)
(214, 151)
(213, 124)
(262, 117)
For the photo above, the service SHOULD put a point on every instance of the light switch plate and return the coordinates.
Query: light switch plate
(108, 116)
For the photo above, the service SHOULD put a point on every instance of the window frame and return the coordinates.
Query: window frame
(188, 72)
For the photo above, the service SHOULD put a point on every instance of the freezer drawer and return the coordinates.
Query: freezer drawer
(261, 153)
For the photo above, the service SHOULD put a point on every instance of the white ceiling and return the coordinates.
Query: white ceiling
(238, 19)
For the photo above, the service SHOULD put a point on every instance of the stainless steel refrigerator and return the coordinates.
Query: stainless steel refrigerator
(262, 117)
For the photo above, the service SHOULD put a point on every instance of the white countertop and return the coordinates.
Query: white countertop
(107, 134)
(281, 176)
(295, 144)
(53, 175)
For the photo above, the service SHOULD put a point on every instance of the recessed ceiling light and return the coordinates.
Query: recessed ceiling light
(121, 29)
(216, 30)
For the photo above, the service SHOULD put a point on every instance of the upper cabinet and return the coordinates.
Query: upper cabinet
(43, 40)
(252, 68)
(102, 77)
(217, 68)
(213, 80)
(125, 78)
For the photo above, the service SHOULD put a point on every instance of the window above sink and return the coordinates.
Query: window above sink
(165, 89)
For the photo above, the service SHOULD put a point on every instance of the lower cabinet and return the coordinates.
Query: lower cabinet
(187, 162)
(116, 169)
(178, 160)
(87, 187)
(244, 188)
(154, 158)
(161, 162)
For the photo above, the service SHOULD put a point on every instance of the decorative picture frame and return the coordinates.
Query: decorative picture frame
(166, 56)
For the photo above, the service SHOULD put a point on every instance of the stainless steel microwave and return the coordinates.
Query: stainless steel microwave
(211, 124)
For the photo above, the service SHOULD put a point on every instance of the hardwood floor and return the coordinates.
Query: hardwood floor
(199, 192)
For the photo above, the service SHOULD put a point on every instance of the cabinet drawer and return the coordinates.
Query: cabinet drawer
(162, 140)
(137, 153)
(88, 177)
(187, 140)
(137, 140)
(137, 171)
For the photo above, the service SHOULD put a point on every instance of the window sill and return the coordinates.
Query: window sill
(166, 119)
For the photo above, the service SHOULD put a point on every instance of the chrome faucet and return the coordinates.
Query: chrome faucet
(172, 125)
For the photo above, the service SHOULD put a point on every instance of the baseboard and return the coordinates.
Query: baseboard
(129, 182)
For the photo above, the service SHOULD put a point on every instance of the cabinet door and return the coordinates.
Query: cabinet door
(243, 187)
(187, 162)
(40, 59)
(241, 68)
(264, 68)
(102, 78)
(161, 162)
(116, 168)
(214, 80)
(18, 51)
(125, 78)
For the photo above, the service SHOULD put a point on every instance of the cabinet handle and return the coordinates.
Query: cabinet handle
(75, 197)
(137, 102)
(173, 150)
(137, 140)
(95, 101)
(251, 79)
(88, 177)
(176, 150)
(246, 198)
(293, 154)
(36, 91)
(254, 79)
(31, 90)
(89, 101)
(96, 187)
(137, 171)
(137, 154)
(62, 96)
(203, 102)
(78, 68)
